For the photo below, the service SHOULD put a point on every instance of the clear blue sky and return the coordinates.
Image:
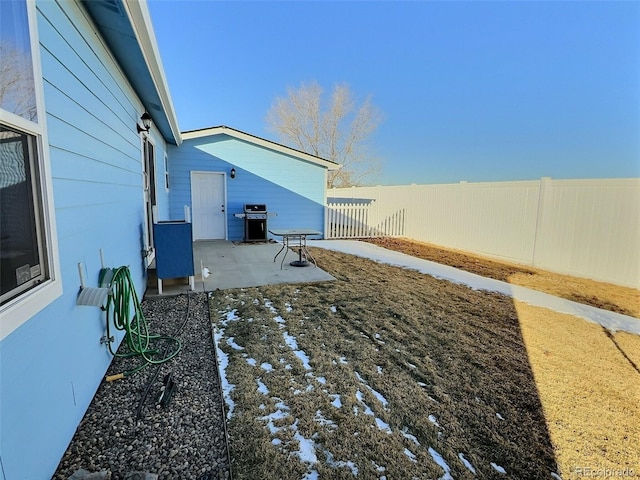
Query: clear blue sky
(476, 91)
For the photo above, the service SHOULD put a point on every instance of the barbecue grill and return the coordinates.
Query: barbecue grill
(255, 222)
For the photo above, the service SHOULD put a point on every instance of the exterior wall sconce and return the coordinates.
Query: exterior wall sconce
(233, 173)
(146, 123)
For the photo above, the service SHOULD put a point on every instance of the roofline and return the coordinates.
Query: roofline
(138, 14)
(247, 137)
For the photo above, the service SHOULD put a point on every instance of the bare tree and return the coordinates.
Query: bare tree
(334, 130)
(17, 93)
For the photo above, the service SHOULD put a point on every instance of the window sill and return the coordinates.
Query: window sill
(19, 310)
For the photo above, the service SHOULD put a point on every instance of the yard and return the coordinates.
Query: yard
(389, 373)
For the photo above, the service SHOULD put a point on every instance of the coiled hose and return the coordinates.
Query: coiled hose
(125, 313)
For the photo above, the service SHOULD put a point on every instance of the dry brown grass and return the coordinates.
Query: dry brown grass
(444, 350)
(603, 295)
(590, 393)
(566, 395)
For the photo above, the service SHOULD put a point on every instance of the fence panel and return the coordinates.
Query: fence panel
(589, 228)
(359, 220)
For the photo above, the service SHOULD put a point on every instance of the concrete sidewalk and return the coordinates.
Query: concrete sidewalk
(237, 265)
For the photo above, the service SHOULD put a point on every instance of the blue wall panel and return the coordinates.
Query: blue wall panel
(292, 188)
(51, 366)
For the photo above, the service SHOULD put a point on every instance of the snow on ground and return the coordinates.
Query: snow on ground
(440, 461)
(280, 419)
(610, 320)
(466, 463)
(262, 388)
(498, 468)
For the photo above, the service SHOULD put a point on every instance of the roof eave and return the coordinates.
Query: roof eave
(126, 27)
(247, 137)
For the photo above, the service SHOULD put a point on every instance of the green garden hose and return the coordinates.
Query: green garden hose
(124, 311)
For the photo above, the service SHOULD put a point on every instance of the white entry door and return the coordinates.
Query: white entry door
(208, 205)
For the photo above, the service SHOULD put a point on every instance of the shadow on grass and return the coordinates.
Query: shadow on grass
(432, 378)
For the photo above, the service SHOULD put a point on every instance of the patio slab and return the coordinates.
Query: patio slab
(238, 265)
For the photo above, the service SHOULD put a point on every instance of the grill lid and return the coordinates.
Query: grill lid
(255, 207)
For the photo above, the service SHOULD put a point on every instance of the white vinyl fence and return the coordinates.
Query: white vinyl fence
(588, 228)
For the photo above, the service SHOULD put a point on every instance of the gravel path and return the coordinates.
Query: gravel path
(184, 440)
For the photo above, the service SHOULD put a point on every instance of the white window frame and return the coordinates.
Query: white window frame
(22, 308)
(167, 187)
(149, 245)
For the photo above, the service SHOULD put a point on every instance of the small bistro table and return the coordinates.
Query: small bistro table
(299, 234)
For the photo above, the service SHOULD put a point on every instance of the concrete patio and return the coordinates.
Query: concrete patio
(237, 265)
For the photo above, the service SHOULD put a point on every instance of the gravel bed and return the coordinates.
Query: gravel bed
(185, 439)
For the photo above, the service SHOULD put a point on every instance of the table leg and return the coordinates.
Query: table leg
(285, 245)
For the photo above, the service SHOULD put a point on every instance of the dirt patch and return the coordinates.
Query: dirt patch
(384, 372)
(603, 295)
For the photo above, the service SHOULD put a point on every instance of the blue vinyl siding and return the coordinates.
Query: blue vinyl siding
(52, 365)
(292, 188)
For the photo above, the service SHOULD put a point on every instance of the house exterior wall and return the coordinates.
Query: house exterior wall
(52, 365)
(292, 188)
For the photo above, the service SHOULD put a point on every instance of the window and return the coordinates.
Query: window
(28, 253)
(22, 259)
(17, 93)
(166, 172)
(149, 152)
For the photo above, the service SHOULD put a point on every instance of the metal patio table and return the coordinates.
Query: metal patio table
(293, 234)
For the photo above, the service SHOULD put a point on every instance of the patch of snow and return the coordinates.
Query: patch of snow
(276, 441)
(333, 308)
(287, 307)
(290, 340)
(252, 362)
(406, 434)
(466, 463)
(379, 369)
(384, 426)
(233, 344)
(339, 463)
(312, 475)
(321, 380)
(411, 455)
(270, 306)
(411, 365)
(306, 450)
(556, 476)
(499, 416)
(325, 422)
(337, 402)
(611, 320)
(272, 417)
(434, 420)
(343, 360)
(498, 468)
(375, 393)
(231, 316)
(223, 363)
(267, 367)
(440, 461)
(262, 388)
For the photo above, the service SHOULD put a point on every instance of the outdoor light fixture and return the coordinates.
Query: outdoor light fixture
(146, 123)
(233, 173)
